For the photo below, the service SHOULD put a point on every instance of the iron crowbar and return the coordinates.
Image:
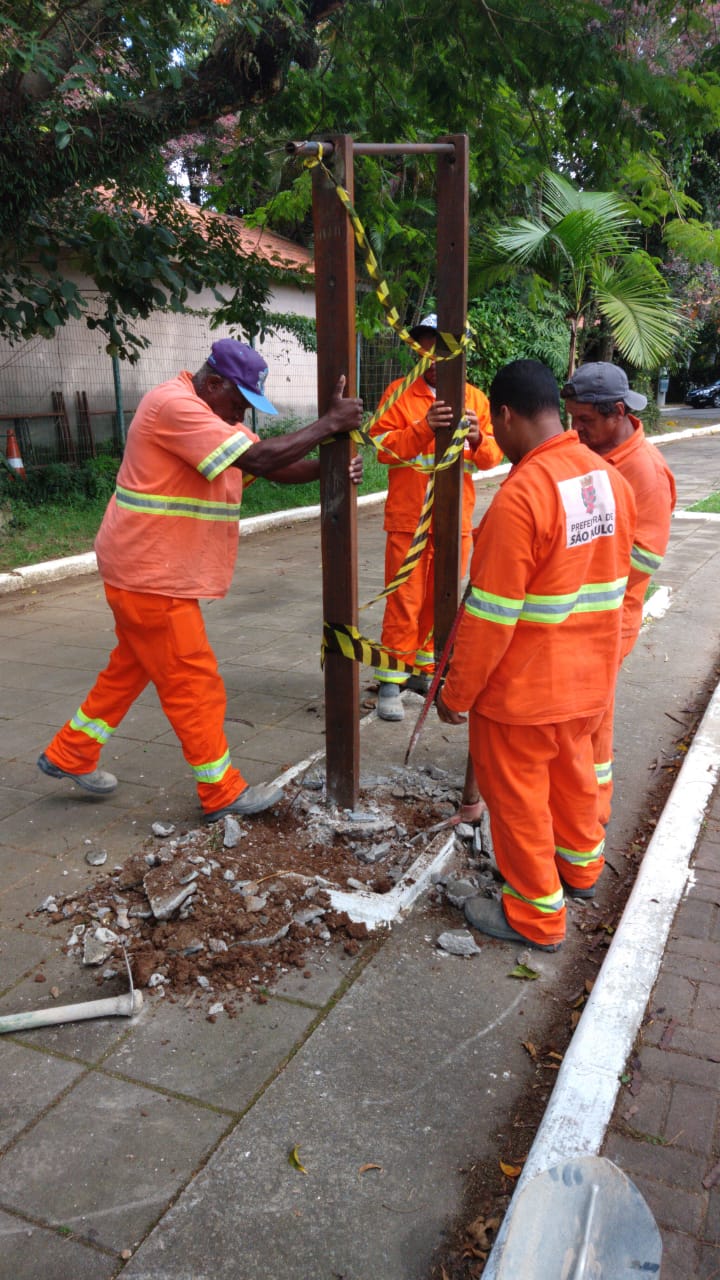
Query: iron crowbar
(440, 668)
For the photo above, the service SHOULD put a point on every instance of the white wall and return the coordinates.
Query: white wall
(75, 360)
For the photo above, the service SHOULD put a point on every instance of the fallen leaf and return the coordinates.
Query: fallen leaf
(523, 971)
(557, 1056)
(511, 1170)
(530, 1049)
(365, 1167)
(295, 1161)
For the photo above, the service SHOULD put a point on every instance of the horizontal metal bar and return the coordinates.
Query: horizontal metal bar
(374, 148)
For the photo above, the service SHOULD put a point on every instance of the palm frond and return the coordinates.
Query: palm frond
(644, 319)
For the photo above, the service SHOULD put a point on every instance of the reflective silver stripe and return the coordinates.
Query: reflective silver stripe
(214, 770)
(159, 504)
(98, 730)
(225, 454)
(592, 598)
(502, 609)
(580, 859)
(603, 773)
(645, 561)
(553, 902)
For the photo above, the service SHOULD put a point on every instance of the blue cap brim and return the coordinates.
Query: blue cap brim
(256, 400)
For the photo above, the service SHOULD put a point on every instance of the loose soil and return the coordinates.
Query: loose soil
(222, 912)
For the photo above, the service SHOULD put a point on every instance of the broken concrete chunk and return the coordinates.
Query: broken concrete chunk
(308, 914)
(263, 942)
(458, 942)
(374, 854)
(216, 945)
(203, 982)
(168, 886)
(96, 857)
(162, 829)
(457, 892)
(254, 902)
(48, 904)
(98, 946)
(233, 832)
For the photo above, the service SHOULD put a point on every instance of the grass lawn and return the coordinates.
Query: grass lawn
(711, 503)
(30, 535)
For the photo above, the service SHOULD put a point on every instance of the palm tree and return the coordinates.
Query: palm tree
(581, 244)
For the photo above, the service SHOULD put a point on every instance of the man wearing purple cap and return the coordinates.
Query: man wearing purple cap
(598, 399)
(169, 538)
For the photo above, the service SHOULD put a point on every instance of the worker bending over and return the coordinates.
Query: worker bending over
(536, 656)
(406, 436)
(168, 538)
(598, 399)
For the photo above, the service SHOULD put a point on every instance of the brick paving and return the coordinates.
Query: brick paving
(665, 1131)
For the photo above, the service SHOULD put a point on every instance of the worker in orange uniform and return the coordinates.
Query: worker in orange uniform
(548, 576)
(598, 399)
(406, 436)
(168, 538)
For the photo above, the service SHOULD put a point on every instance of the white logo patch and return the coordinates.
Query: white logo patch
(589, 504)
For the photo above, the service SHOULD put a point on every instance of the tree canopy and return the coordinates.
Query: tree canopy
(614, 95)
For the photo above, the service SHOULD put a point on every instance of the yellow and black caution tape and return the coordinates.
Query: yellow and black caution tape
(454, 345)
(346, 640)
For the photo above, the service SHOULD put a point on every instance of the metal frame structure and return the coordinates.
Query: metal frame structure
(335, 311)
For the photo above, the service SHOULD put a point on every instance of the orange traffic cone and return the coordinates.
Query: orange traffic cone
(12, 453)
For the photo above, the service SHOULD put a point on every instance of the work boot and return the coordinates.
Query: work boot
(571, 891)
(389, 703)
(99, 782)
(251, 800)
(419, 684)
(487, 916)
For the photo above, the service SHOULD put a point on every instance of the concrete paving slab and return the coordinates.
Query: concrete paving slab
(29, 1251)
(399, 1075)
(223, 1063)
(85, 1041)
(328, 971)
(21, 952)
(132, 1151)
(31, 1082)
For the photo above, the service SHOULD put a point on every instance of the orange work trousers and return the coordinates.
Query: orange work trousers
(408, 622)
(539, 784)
(603, 744)
(161, 640)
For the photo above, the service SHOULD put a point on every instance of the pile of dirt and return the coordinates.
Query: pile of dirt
(223, 911)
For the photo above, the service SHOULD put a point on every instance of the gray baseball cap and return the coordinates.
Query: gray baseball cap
(595, 383)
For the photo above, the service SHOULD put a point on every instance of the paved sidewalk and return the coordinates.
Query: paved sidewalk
(665, 1131)
(158, 1148)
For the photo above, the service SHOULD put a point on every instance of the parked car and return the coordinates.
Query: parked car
(701, 396)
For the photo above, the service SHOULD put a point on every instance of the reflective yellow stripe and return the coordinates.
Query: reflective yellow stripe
(503, 609)
(98, 730)
(581, 859)
(162, 504)
(645, 561)
(214, 770)
(603, 773)
(225, 454)
(553, 902)
(592, 597)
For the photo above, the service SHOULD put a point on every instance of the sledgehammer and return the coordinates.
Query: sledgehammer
(113, 1006)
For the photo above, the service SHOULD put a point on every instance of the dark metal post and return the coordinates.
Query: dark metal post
(335, 312)
(452, 263)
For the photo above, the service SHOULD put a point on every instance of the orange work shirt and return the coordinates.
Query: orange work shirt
(171, 527)
(404, 430)
(653, 485)
(539, 639)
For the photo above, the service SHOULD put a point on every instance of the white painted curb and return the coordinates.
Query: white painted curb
(581, 1104)
(73, 566)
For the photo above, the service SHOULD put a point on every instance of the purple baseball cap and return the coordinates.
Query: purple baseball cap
(245, 367)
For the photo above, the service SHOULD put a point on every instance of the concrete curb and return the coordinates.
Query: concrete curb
(581, 1104)
(74, 566)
